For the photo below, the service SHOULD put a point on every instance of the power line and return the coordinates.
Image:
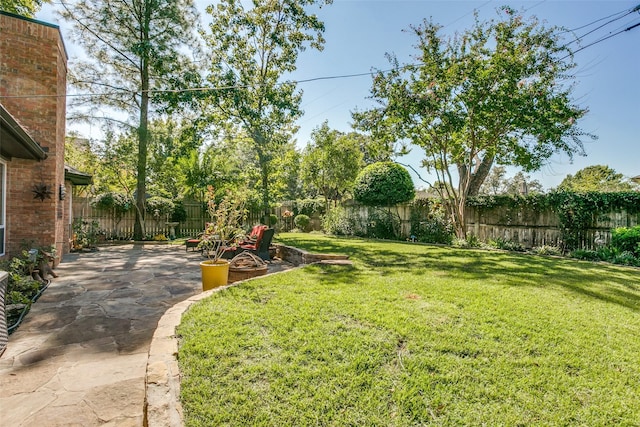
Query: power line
(602, 39)
(334, 77)
(468, 13)
(593, 22)
(600, 26)
(207, 89)
(535, 5)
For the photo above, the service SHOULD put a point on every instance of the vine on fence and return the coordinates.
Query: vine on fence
(429, 222)
(576, 211)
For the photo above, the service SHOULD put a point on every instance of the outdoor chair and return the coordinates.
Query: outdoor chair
(262, 244)
(229, 252)
(195, 241)
(252, 238)
(191, 243)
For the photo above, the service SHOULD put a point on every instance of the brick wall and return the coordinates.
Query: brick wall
(33, 65)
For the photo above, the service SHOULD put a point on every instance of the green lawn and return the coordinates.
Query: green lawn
(417, 335)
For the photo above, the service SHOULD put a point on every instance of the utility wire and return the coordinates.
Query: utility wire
(598, 27)
(593, 22)
(602, 39)
(335, 77)
(212, 89)
(468, 13)
(535, 5)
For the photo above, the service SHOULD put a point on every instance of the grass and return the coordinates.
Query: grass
(417, 335)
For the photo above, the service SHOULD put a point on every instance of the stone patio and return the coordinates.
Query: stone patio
(80, 357)
(98, 347)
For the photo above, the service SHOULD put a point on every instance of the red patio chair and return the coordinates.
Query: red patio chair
(194, 242)
(262, 244)
(253, 236)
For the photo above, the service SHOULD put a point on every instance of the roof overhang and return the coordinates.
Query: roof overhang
(15, 141)
(76, 177)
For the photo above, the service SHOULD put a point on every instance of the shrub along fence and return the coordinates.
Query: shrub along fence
(112, 226)
(565, 220)
(312, 208)
(562, 219)
(532, 228)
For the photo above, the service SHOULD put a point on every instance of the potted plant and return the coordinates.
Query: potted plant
(226, 218)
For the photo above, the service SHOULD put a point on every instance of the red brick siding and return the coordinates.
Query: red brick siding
(33, 62)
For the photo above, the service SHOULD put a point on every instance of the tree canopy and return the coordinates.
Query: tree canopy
(498, 93)
(597, 178)
(26, 8)
(383, 184)
(331, 162)
(252, 50)
(498, 183)
(136, 50)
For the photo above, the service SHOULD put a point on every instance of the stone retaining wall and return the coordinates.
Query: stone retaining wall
(297, 256)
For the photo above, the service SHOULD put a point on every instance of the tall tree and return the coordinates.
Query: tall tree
(286, 183)
(498, 183)
(522, 183)
(169, 142)
(219, 166)
(136, 50)
(252, 50)
(26, 8)
(495, 181)
(599, 178)
(118, 163)
(498, 93)
(331, 162)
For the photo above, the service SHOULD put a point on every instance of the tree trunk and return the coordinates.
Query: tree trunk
(265, 190)
(263, 158)
(461, 219)
(469, 186)
(139, 230)
(478, 177)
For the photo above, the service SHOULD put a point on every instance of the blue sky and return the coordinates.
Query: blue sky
(359, 32)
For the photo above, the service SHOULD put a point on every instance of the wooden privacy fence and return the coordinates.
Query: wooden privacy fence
(287, 224)
(524, 225)
(121, 228)
(402, 212)
(114, 228)
(533, 228)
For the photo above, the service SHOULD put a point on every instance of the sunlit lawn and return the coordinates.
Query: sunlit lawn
(417, 335)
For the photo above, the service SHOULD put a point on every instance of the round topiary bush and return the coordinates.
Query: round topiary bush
(383, 184)
(302, 222)
(270, 220)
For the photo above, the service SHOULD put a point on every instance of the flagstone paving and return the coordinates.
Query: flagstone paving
(80, 356)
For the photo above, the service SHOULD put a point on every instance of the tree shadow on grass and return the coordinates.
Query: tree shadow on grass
(607, 283)
(327, 274)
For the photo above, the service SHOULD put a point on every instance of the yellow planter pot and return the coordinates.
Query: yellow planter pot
(214, 273)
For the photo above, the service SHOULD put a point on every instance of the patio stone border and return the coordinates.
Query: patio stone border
(162, 405)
